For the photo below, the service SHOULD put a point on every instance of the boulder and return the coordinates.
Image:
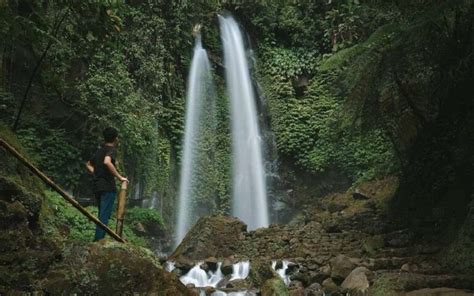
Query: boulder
(260, 272)
(314, 290)
(330, 286)
(211, 236)
(274, 287)
(356, 283)
(110, 268)
(227, 267)
(341, 267)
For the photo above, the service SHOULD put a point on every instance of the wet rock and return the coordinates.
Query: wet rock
(209, 290)
(359, 194)
(300, 276)
(212, 236)
(260, 272)
(314, 290)
(274, 287)
(296, 291)
(239, 284)
(356, 282)
(110, 268)
(296, 288)
(190, 286)
(227, 267)
(292, 267)
(329, 286)
(341, 267)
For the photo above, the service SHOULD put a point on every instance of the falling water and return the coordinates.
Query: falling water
(199, 278)
(240, 270)
(199, 90)
(249, 189)
(282, 271)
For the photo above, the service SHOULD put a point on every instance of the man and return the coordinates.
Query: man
(102, 166)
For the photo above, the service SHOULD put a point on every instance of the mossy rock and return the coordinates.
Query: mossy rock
(260, 272)
(211, 236)
(274, 287)
(110, 268)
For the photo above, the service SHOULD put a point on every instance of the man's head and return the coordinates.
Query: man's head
(110, 135)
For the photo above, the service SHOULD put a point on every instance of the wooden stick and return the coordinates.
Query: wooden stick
(121, 208)
(58, 189)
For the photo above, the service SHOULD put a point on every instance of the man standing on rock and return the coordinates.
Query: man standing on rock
(102, 166)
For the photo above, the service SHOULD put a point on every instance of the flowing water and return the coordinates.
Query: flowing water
(282, 271)
(199, 94)
(240, 271)
(249, 188)
(201, 279)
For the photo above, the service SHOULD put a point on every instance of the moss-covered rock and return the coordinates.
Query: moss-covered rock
(113, 268)
(274, 287)
(213, 236)
(261, 272)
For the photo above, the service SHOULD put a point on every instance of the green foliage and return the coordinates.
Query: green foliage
(149, 216)
(312, 129)
(283, 63)
(77, 227)
(52, 150)
(345, 24)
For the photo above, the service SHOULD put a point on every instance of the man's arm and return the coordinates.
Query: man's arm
(108, 163)
(90, 167)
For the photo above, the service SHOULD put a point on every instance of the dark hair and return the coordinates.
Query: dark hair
(110, 134)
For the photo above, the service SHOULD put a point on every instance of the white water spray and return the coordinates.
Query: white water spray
(240, 270)
(282, 271)
(199, 91)
(199, 278)
(249, 188)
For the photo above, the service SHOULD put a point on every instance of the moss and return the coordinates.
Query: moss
(12, 168)
(385, 286)
(274, 287)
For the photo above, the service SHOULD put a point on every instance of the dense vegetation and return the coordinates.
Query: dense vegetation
(351, 90)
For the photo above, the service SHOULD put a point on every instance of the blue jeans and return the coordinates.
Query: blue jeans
(105, 202)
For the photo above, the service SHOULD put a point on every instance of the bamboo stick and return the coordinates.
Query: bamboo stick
(121, 208)
(58, 189)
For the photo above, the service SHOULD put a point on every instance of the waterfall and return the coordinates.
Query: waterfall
(199, 93)
(249, 188)
(240, 270)
(200, 278)
(282, 271)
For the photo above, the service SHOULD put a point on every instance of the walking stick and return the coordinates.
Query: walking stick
(121, 208)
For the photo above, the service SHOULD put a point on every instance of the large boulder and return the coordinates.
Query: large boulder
(274, 287)
(341, 267)
(110, 268)
(211, 236)
(356, 283)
